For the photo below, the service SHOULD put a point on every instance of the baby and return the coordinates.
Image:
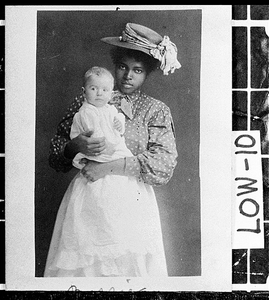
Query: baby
(100, 117)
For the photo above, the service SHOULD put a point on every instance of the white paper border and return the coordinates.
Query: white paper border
(215, 170)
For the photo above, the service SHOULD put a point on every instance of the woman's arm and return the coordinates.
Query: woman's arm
(155, 165)
(94, 170)
(159, 160)
(63, 150)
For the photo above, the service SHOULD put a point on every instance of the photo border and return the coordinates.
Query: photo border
(215, 152)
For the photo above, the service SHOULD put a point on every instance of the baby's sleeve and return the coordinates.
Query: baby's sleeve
(120, 116)
(82, 122)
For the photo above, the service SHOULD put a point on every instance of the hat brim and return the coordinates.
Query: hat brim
(115, 41)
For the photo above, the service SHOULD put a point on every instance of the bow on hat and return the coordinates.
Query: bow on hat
(144, 39)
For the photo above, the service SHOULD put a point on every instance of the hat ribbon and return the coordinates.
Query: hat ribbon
(165, 51)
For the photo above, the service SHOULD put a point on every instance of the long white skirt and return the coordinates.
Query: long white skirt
(110, 227)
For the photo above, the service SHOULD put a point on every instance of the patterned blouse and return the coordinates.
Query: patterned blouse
(149, 134)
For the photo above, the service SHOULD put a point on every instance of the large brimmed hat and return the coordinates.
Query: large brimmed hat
(142, 38)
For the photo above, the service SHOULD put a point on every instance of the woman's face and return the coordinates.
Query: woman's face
(129, 75)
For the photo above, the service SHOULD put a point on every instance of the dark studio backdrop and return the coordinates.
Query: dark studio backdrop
(68, 43)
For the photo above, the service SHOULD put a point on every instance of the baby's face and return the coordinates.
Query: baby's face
(98, 89)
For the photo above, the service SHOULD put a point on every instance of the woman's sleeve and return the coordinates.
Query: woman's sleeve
(156, 164)
(57, 160)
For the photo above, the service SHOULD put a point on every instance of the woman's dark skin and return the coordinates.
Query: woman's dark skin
(86, 144)
(129, 77)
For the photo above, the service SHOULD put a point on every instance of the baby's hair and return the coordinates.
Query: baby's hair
(98, 71)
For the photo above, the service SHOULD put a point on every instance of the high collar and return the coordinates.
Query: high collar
(132, 97)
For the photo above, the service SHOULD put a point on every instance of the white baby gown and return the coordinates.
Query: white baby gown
(107, 227)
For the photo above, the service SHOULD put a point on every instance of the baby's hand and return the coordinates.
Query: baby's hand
(117, 124)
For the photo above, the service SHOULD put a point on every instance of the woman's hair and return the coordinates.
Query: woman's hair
(98, 71)
(150, 63)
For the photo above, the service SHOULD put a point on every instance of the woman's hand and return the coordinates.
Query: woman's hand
(94, 170)
(85, 144)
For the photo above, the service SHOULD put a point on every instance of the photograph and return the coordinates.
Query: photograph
(126, 119)
(110, 236)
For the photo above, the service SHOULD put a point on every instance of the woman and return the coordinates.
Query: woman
(149, 134)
